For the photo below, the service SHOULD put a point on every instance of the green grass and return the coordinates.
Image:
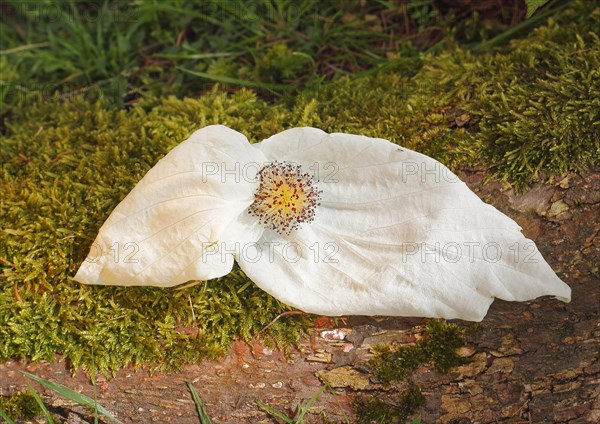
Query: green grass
(43, 408)
(70, 394)
(202, 414)
(301, 410)
(27, 405)
(128, 50)
(527, 110)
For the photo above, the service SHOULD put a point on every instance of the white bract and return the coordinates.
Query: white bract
(333, 224)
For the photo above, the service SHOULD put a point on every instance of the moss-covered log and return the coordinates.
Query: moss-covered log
(526, 112)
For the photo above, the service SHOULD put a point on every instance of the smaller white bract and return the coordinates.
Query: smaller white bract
(332, 224)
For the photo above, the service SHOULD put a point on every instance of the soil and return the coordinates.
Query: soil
(531, 362)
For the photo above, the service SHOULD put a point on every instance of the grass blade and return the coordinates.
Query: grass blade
(304, 408)
(275, 413)
(40, 402)
(236, 81)
(95, 391)
(25, 47)
(5, 417)
(315, 397)
(71, 395)
(511, 32)
(196, 55)
(533, 5)
(204, 418)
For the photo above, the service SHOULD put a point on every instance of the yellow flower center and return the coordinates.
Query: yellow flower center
(286, 197)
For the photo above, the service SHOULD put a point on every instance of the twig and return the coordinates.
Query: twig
(15, 287)
(188, 285)
(23, 48)
(16, 290)
(7, 262)
(192, 307)
(283, 314)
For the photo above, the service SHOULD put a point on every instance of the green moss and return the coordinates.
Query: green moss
(529, 108)
(66, 165)
(281, 65)
(439, 346)
(373, 409)
(393, 365)
(20, 406)
(544, 114)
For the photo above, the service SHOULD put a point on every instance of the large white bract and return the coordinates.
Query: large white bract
(332, 224)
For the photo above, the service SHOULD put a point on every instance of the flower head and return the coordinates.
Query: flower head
(333, 224)
(285, 198)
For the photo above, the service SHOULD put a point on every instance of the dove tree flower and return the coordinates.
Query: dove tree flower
(332, 224)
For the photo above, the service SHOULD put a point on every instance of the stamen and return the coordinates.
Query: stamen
(285, 198)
